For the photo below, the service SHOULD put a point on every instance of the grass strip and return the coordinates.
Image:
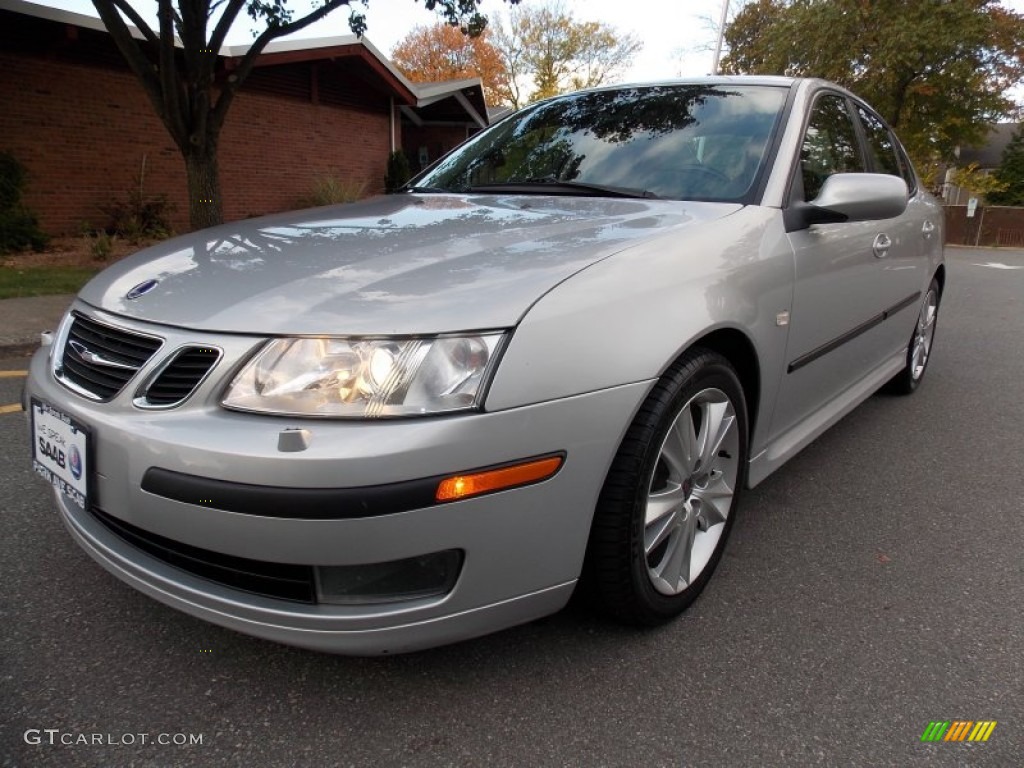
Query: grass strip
(16, 282)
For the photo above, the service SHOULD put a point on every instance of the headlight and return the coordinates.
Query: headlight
(365, 378)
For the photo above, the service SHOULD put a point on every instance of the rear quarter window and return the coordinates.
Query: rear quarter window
(884, 150)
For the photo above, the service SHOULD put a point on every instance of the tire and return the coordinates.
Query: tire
(664, 514)
(919, 349)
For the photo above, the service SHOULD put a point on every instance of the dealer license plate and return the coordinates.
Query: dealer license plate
(60, 452)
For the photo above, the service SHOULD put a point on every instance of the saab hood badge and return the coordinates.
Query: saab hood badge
(142, 288)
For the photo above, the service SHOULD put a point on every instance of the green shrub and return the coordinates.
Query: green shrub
(19, 230)
(329, 189)
(140, 216)
(19, 227)
(398, 172)
(101, 246)
(12, 181)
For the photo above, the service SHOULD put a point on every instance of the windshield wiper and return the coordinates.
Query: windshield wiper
(548, 185)
(424, 189)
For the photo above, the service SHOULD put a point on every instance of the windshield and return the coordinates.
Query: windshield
(683, 142)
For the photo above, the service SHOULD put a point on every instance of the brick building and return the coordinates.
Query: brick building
(73, 114)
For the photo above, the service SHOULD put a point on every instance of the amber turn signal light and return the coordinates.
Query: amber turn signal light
(463, 486)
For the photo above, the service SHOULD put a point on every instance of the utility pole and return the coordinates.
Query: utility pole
(721, 36)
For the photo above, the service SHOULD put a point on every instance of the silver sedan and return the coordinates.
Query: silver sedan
(554, 360)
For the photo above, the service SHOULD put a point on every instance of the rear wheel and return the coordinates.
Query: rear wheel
(670, 498)
(919, 349)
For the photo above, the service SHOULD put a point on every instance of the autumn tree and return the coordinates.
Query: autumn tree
(1010, 174)
(443, 52)
(177, 64)
(976, 181)
(549, 47)
(938, 72)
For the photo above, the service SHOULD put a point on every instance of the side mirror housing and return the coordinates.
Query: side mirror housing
(851, 197)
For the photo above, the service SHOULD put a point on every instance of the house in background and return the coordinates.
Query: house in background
(988, 157)
(979, 224)
(438, 122)
(73, 114)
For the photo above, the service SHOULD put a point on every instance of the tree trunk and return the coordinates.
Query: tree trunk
(204, 200)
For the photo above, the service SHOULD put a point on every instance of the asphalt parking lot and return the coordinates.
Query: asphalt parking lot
(873, 585)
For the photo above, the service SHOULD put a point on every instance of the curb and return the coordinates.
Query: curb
(963, 246)
(24, 318)
(19, 349)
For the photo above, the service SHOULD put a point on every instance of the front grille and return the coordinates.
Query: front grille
(279, 580)
(98, 359)
(181, 376)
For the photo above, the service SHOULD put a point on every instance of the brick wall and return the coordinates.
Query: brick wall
(80, 124)
(274, 146)
(81, 133)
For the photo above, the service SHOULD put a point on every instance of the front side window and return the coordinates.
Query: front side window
(830, 145)
(684, 142)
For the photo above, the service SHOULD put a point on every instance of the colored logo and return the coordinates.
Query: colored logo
(75, 462)
(958, 730)
(142, 288)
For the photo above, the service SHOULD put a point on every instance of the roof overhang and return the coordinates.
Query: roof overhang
(460, 100)
(451, 101)
(328, 49)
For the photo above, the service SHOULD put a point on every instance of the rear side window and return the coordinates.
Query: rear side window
(830, 145)
(907, 170)
(880, 143)
(885, 150)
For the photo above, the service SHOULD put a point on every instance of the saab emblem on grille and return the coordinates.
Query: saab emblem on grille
(142, 288)
(87, 355)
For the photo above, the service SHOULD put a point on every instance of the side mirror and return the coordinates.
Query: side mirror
(851, 197)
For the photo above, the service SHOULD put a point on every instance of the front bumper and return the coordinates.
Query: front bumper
(523, 548)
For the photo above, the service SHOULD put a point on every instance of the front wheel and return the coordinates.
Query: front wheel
(670, 498)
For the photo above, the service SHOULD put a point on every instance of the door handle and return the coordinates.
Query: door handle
(881, 245)
(927, 228)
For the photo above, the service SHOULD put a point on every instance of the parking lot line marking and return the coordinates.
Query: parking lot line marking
(15, 408)
(12, 374)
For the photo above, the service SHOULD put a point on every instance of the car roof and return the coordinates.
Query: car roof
(804, 84)
(709, 80)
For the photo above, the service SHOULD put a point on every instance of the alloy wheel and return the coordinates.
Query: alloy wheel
(691, 491)
(923, 335)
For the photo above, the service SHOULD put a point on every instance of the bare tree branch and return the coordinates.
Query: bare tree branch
(137, 20)
(185, 24)
(137, 61)
(220, 32)
(174, 119)
(227, 95)
(177, 67)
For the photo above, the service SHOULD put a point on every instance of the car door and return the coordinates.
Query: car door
(905, 267)
(847, 275)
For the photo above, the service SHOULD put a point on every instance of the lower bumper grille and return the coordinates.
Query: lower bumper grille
(278, 580)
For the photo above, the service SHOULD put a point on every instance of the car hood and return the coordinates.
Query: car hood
(402, 264)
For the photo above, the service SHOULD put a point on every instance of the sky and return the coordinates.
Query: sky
(678, 35)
